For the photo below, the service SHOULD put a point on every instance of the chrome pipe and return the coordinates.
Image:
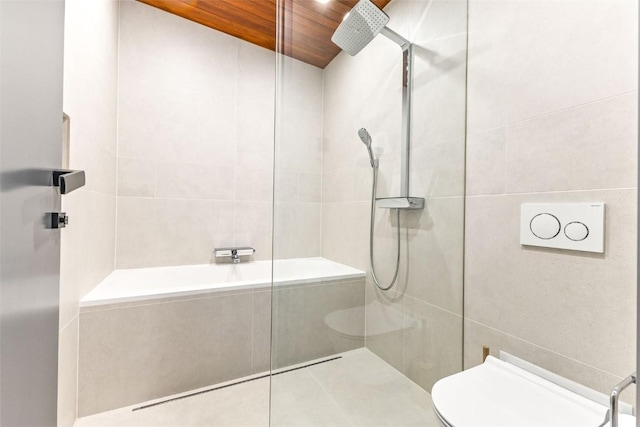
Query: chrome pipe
(395, 37)
(615, 395)
(405, 148)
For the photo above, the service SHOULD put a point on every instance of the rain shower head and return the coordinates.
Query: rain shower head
(359, 27)
(366, 139)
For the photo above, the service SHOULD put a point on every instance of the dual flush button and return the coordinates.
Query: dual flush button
(547, 226)
(573, 226)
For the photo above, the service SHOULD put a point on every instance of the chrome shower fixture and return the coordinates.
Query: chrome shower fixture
(366, 139)
(361, 25)
(358, 28)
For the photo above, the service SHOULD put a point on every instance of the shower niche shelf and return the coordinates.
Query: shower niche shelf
(400, 203)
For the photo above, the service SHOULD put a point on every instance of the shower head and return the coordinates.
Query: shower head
(359, 27)
(366, 139)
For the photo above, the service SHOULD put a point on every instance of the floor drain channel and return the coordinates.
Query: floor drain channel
(173, 399)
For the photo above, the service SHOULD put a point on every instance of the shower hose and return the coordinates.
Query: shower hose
(373, 218)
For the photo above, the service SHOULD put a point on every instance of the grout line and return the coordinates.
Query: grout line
(117, 153)
(505, 164)
(331, 398)
(436, 307)
(253, 328)
(77, 316)
(266, 200)
(561, 110)
(465, 187)
(555, 353)
(591, 190)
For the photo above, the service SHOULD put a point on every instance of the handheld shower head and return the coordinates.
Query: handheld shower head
(366, 139)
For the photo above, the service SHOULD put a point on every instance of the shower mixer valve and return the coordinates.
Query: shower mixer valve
(233, 253)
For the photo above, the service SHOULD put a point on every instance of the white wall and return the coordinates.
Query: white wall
(88, 243)
(195, 159)
(298, 160)
(365, 91)
(552, 117)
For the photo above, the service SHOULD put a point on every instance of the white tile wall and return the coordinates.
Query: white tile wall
(154, 232)
(552, 117)
(530, 58)
(574, 147)
(87, 245)
(196, 145)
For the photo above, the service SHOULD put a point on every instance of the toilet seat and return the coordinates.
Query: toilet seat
(499, 394)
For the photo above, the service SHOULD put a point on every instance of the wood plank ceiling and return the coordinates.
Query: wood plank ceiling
(308, 24)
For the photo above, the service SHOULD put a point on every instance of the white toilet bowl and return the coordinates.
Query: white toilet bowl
(500, 394)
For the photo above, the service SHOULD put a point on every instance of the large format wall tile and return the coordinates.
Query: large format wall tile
(345, 233)
(297, 230)
(421, 340)
(552, 118)
(182, 344)
(485, 166)
(565, 301)
(87, 245)
(136, 177)
(255, 133)
(435, 257)
(300, 85)
(432, 343)
(438, 170)
(68, 373)
(161, 47)
(384, 325)
(88, 256)
(139, 353)
(161, 232)
(439, 98)
(150, 127)
(530, 58)
(302, 330)
(574, 148)
(261, 350)
(194, 181)
(253, 226)
(196, 121)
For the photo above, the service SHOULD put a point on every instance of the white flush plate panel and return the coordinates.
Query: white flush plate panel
(573, 226)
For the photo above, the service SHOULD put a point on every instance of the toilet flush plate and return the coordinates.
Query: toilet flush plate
(572, 226)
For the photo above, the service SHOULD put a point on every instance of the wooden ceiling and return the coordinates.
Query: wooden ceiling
(308, 24)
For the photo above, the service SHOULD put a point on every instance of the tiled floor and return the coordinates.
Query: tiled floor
(359, 389)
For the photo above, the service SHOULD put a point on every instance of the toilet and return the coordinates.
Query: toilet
(500, 394)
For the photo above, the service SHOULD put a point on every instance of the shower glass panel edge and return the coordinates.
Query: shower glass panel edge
(334, 336)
